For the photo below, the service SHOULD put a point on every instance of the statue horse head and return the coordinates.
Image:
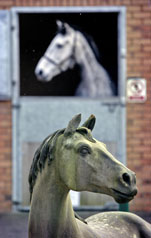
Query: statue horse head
(69, 48)
(72, 159)
(84, 163)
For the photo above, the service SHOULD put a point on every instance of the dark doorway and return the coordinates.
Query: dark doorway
(36, 32)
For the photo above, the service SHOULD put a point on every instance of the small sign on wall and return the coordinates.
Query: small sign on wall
(136, 90)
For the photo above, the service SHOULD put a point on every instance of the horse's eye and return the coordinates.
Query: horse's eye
(84, 151)
(59, 46)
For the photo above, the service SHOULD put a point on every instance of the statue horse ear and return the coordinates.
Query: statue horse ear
(72, 125)
(90, 122)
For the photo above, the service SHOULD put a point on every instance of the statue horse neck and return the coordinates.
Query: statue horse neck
(51, 213)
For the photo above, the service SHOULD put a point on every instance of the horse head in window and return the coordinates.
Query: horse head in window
(68, 48)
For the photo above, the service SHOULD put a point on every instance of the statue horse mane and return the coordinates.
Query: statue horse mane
(45, 151)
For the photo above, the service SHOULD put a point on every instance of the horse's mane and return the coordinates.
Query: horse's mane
(89, 39)
(45, 151)
(92, 45)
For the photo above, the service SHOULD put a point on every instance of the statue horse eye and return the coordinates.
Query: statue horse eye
(84, 151)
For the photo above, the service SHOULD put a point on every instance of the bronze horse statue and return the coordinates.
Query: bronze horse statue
(72, 159)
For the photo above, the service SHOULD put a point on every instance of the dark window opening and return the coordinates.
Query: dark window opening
(36, 33)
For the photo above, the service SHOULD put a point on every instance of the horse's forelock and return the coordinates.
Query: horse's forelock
(86, 133)
(62, 31)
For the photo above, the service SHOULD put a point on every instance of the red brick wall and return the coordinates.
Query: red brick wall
(5, 156)
(138, 115)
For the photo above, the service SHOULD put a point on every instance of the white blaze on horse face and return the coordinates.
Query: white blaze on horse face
(57, 58)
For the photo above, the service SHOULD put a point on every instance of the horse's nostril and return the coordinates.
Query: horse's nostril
(126, 178)
(40, 72)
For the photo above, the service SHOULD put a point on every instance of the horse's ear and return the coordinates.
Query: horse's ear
(90, 122)
(62, 27)
(73, 125)
(59, 24)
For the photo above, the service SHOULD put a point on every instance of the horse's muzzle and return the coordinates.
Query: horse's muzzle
(127, 189)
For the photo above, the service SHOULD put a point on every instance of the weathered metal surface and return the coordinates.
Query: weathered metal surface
(5, 85)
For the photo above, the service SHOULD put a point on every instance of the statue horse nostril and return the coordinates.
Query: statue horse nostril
(135, 192)
(126, 178)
